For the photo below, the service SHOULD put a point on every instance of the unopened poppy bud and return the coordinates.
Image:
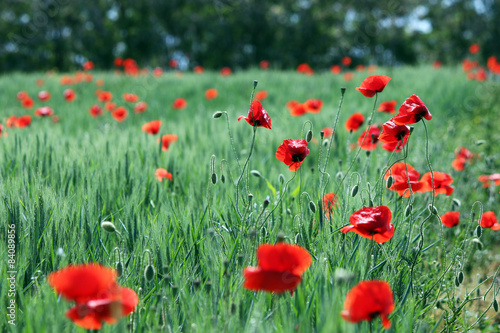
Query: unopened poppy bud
(495, 305)
(456, 202)
(339, 175)
(354, 190)
(326, 142)
(389, 181)
(312, 207)
(479, 231)
(309, 136)
(342, 90)
(479, 244)
(478, 143)
(255, 173)
(408, 210)
(457, 283)
(265, 204)
(250, 196)
(460, 277)
(368, 153)
(281, 179)
(255, 82)
(280, 237)
(217, 114)
(432, 209)
(108, 226)
(214, 178)
(288, 211)
(222, 178)
(321, 135)
(119, 268)
(411, 129)
(149, 272)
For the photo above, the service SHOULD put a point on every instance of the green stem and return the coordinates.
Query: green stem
(243, 171)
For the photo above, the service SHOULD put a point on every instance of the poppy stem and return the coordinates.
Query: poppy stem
(232, 141)
(279, 201)
(243, 171)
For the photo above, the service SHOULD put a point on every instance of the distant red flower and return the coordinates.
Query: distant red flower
(1, 131)
(400, 184)
(481, 75)
(468, 65)
(55, 119)
(44, 96)
(157, 72)
(23, 121)
(264, 64)
(11, 121)
(140, 107)
(131, 98)
(257, 116)
(305, 69)
(298, 110)
(392, 133)
(22, 95)
(173, 63)
(373, 84)
(279, 268)
(39, 82)
(66, 80)
(360, 68)
(153, 127)
(44, 111)
(27, 103)
(348, 76)
(226, 71)
(120, 114)
(474, 48)
(346, 61)
(411, 111)
(261, 95)
(109, 106)
(450, 219)
(95, 111)
(367, 300)
(462, 156)
(166, 140)
(179, 103)
(162, 173)
(354, 122)
(88, 65)
(69, 95)
(211, 93)
(372, 68)
(372, 223)
(493, 65)
(388, 106)
(327, 132)
(489, 220)
(198, 69)
(335, 69)
(313, 105)
(291, 104)
(368, 141)
(442, 183)
(330, 203)
(485, 179)
(292, 153)
(97, 295)
(118, 62)
(437, 64)
(99, 82)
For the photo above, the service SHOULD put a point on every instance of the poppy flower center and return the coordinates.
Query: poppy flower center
(297, 158)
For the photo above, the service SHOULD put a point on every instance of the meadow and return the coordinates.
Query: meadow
(182, 245)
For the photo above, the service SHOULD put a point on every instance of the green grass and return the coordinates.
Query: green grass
(58, 182)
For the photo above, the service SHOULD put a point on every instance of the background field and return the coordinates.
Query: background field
(59, 181)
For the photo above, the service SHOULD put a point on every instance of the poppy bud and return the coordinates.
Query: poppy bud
(108, 226)
(312, 207)
(214, 178)
(255, 82)
(222, 178)
(281, 179)
(479, 231)
(339, 175)
(309, 136)
(456, 202)
(411, 129)
(457, 283)
(495, 305)
(342, 90)
(461, 277)
(368, 153)
(389, 181)
(149, 272)
(119, 268)
(432, 209)
(340, 163)
(250, 196)
(479, 244)
(354, 190)
(255, 173)
(325, 142)
(321, 135)
(265, 204)
(478, 143)
(280, 238)
(217, 114)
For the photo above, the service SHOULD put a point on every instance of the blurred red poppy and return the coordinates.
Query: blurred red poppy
(292, 153)
(118, 62)
(264, 64)
(489, 220)
(27, 103)
(166, 140)
(173, 63)
(261, 95)
(43, 96)
(411, 111)
(109, 106)
(450, 219)
(131, 98)
(346, 61)
(298, 110)
(327, 132)
(44, 111)
(39, 82)
(354, 122)
(99, 82)
(388, 106)
(330, 203)
(198, 69)
(392, 133)
(162, 173)
(120, 114)
(22, 95)
(481, 75)
(153, 127)
(313, 105)
(485, 179)
(211, 93)
(474, 48)
(462, 156)
(372, 223)
(335, 69)
(257, 116)
(367, 300)
(305, 69)
(11, 121)
(401, 177)
(88, 65)
(69, 95)
(65, 80)
(348, 76)
(368, 141)
(23, 121)
(140, 107)
(279, 268)
(226, 71)
(437, 64)
(360, 68)
(179, 103)
(157, 72)
(468, 65)
(493, 65)
(373, 84)
(290, 104)
(372, 68)
(442, 183)
(95, 111)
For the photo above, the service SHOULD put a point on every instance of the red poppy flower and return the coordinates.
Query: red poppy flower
(313, 105)
(88, 65)
(131, 98)
(198, 69)
(489, 220)
(372, 223)
(157, 72)
(140, 107)
(346, 61)
(95, 111)
(110, 106)
(373, 84)
(279, 268)
(367, 300)
(27, 103)
(437, 64)
(261, 95)
(55, 119)
(450, 219)
(153, 127)
(226, 71)
(166, 140)
(335, 69)
(468, 65)
(372, 68)
(292, 153)
(360, 68)
(162, 173)
(474, 48)
(291, 104)
(44, 96)
(400, 184)
(22, 95)
(69, 95)
(11, 121)
(458, 163)
(264, 64)
(44, 111)
(348, 76)
(99, 82)
(411, 111)
(369, 141)
(442, 183)
(298, 110)
(481, 75)
(462, 156)
(65, 80)
(396, 146)
(354, 122)
(493, 65)
(485, 179)
(327, 132)
(179, 103)
(211, 93)
(330, 202)
(392, 133)
(23, 121)
(257, 116)
(388, 106)
(305, 69)
(39, 82)
(173, 63)
(120, 114)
